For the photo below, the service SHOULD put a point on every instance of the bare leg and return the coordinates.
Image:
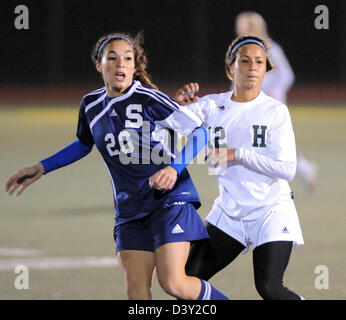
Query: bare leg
(170, 263)
(137, 268)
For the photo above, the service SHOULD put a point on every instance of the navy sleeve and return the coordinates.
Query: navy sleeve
(71, 153)
(195, 143)
(83, 130)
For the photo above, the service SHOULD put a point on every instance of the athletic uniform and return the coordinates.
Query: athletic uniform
(255, 203)
(255, 206)
(134, 134)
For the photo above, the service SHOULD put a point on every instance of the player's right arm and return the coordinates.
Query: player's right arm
(71, 153)
(169, 114)
(26, 176)
(23, 178)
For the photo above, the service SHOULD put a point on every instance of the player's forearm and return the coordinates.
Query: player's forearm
(251, 160)
(196, 141)
(71, 153)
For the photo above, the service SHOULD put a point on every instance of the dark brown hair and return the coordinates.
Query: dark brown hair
(141, 60)
(231, 56)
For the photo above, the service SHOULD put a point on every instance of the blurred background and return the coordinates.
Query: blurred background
(61, 227)
(184, 40)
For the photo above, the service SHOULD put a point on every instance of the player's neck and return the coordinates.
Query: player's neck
(114, 92)
(244, 94)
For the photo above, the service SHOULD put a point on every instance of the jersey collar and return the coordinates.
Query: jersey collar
(247, 103)
(127, 94)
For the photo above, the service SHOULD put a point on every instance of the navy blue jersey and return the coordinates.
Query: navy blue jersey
(134, 134)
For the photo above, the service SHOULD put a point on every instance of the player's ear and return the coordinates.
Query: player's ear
(231, 69)
(98, 66)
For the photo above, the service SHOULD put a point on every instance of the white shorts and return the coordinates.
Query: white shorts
(277, 223)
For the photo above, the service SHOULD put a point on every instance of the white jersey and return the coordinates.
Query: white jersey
(261, 132)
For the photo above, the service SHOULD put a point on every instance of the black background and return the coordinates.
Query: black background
(184, 40)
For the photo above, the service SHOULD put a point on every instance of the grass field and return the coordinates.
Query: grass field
(61, 226)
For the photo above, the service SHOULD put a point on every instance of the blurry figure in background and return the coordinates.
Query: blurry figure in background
(277, 82)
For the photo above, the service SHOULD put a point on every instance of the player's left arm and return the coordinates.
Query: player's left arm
(187, 123)
(165, 178)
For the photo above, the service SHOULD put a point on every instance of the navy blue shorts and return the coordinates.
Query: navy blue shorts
(174, 223)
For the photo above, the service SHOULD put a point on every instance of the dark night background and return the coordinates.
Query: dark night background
(46, 70)
(184, 40)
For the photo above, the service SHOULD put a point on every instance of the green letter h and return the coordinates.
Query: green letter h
(257, 136)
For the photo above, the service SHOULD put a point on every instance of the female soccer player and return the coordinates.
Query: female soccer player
(277, 83)
(255, 157)
(126, 120)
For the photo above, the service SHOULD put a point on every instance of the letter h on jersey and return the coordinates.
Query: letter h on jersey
(261, 136)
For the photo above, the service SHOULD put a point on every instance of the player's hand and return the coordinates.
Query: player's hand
(163, 179)
(187, 94)
(24, 178)
(218, 156)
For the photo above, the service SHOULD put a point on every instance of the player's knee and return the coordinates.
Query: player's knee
(268, 290)
(170, 287)
(173, 286)
(137, 290)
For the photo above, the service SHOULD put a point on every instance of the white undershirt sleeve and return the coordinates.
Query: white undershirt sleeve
(251, 160)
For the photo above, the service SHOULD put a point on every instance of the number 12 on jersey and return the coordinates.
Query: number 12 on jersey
(217, 138)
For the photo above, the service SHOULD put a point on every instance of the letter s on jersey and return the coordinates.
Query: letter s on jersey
(132, 113)
(135, 120)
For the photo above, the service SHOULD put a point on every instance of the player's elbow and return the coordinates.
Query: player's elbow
(290, 176)
(290, 171)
